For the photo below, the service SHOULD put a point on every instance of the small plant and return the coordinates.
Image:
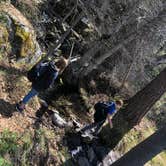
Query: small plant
(3, 18)
(3, 162)
(8, 142)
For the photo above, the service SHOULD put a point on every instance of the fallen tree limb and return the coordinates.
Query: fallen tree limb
(58, 44)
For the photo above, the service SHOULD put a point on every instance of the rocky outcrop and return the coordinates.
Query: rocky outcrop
(18, 35)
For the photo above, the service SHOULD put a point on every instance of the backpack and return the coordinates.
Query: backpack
(35, 72)
(46, 75)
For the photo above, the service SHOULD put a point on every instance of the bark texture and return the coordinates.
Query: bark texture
(144, 151)
(135, 110)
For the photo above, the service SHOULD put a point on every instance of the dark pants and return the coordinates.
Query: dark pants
(30, 95)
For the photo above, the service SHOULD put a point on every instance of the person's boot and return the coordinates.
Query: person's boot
(20, 107)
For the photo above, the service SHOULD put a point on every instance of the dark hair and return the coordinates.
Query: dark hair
(61, 64)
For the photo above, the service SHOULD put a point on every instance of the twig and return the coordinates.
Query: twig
(58, 44)
(71, 11)
(127, 74)
(71, 51)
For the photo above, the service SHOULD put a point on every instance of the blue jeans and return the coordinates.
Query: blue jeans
(30, 95)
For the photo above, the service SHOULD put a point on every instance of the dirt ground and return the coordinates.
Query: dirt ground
(13, 86)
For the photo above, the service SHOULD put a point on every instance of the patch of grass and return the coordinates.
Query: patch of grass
(12, 147)
(158, 160)
(3, 18)
(8, 142)
(26, 147)
(134, 136)
(41, 139)
(63, 155)
(50, 134)
(3, 72)
(4, 162)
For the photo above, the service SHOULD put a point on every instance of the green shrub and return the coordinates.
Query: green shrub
(3, 162)
(8, 142)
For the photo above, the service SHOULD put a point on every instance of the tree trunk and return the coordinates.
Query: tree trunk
(135, 110)
(144, 151)
(141, 103)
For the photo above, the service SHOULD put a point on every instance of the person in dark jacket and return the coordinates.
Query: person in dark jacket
(106, 110)
(46, 74)
(103, 111)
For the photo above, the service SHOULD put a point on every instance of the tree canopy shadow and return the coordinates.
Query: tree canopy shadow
(12, 71)
(6, 109)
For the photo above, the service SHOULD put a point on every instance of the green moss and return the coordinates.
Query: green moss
(27, 44)
(3, 19)
(22, 33)
(3, 37)
(4, 162)
(3, 72)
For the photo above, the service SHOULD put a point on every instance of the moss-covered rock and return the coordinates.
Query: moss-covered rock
(20, 34)
(27, 43)
(3, 35)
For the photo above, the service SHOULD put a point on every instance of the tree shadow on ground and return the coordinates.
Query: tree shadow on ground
(6, 109)
(12, 70)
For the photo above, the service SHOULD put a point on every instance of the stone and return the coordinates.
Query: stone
(57, 120)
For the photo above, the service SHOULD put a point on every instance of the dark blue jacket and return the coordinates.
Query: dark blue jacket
(47, 74)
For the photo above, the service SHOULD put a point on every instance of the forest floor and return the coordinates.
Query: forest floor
(27, 140)
(14, 85)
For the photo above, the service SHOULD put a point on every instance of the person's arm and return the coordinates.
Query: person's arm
(109, 118)
(41, 68)
(53, 80)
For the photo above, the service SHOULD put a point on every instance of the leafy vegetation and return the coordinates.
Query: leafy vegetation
(4, 162)
(8, 142)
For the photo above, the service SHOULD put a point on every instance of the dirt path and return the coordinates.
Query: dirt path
(13, 86)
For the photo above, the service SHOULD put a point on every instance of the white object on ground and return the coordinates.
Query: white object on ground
(57, 120)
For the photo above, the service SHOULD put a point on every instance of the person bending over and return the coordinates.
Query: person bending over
(42, 76)
(103, 111)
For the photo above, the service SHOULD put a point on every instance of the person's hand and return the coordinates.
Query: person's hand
(111, 124)
(109, 117)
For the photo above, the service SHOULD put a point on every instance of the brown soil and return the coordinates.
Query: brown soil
(13, 86)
